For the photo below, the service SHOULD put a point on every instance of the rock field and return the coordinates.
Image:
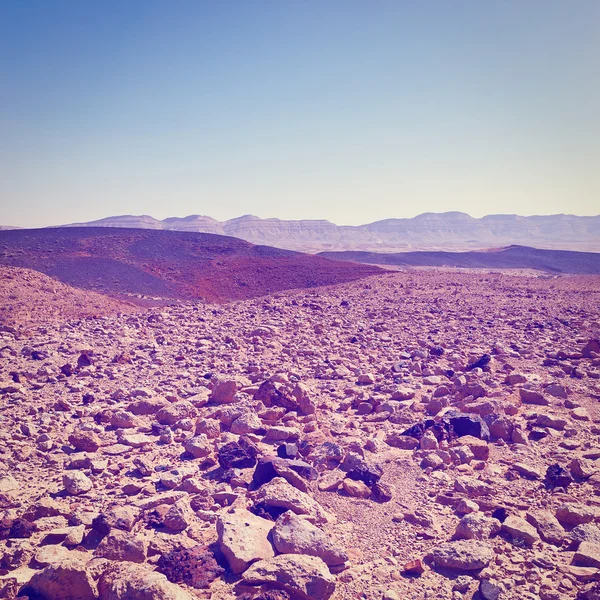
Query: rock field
(412, 435)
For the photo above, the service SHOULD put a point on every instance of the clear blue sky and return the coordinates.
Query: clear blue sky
(347, 110)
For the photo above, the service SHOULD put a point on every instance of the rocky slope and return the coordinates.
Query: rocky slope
(413, 435)
(429, 231)
(31, 299)
(163, 266)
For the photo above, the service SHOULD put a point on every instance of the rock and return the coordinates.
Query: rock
(463, 555)
(295, 535)
(489, 590)
(195, 566)
(414, 567)
(246, 423)
(587, 555)
(199, 446)
(467, 424)
(582, 468)
(521, 530)
(278, 494)
(479, 447)
(8, 484)
(556, 390)
(67, 580)
(121, 545)
(84, 441)
(170, 414)
(532, 397)
(237, 455)
(551, 421)
(556, 476)
(591, 348)
(243, 539)
(586, 532)
(356, 489)
(476, 526)
(224, 392)
(527, 471)
(76, 483)
(178, 517)
(404, 442)
(382, 492)
(331, 480)
(575, 514)
(126, 581)
(547, 525)
(306, 577)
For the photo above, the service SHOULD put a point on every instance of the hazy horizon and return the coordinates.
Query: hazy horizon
(341, 111)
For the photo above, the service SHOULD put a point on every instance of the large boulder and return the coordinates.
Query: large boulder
(279, 496)
(66, 580)
(243, 539)
(126, 581)
(463, 555)
(305, 577)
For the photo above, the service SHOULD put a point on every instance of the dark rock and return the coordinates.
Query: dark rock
(67, 370)
(22, 528)
(500, 513)
(490, 590)
(196, 567)
(381, 492)
(593, 346)
(237, 455)
(468, 424)
(84, 360)
(479, 363)
(270, 467)
(272, 394)
(556, 476)
(436, 351)
(287, 450)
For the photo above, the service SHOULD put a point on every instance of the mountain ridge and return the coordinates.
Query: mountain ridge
(428, 231)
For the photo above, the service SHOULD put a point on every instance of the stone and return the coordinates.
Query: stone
(246, 423)
(199, 446)
(521, 530)
(128, 581)
(294, 535)
(224, 392)
(404, 442)
(170, 414)
(194, 566)
(306, 577)
(67, 580)
(463, 555)
(121, 545)
(547, 525)
(586, 532)
(243, 539)
(556, 476)
(331, 480)
(237, 455)
(575, 514)
(356, 489)
(84, 441)
(476, 526)
(532, 397)
(587, 555)
(279, 494)
(467, 424)
(76, 483)
(582, 468)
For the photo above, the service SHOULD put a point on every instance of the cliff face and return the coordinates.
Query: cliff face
(429, 231)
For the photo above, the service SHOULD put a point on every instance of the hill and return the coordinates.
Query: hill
(167, 265)
(513, 257)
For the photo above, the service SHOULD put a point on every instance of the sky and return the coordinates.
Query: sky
(346, 110)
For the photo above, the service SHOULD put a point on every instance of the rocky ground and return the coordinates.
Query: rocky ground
(414, 435)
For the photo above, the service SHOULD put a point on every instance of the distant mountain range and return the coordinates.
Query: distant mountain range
(429, 231)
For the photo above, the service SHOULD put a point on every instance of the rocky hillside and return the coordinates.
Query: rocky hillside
(429, 231)
(412, 436)
(31, 299)
(515, 257)
(163, 266)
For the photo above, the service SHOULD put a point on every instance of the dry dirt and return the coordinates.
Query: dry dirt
(99, 481)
